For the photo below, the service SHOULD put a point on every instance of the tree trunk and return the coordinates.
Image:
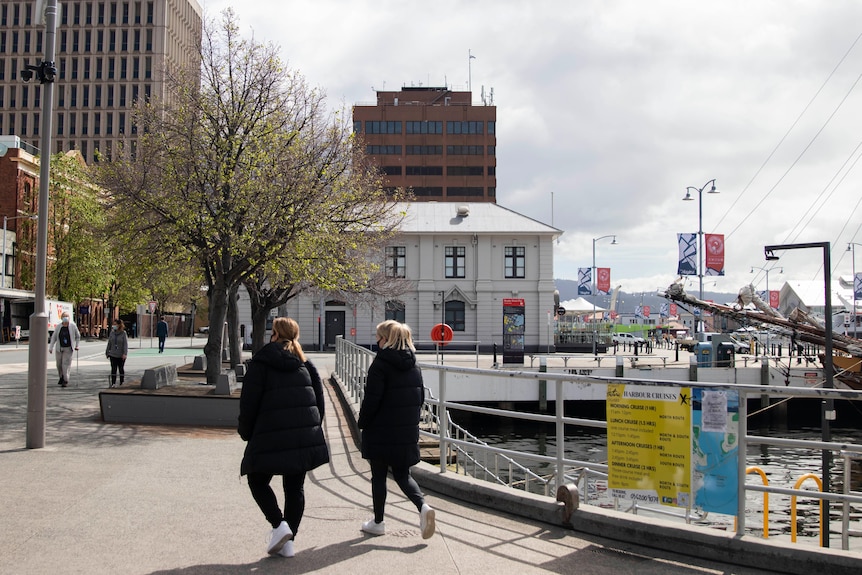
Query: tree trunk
(258, 327)
(234, 340)
(217, 313)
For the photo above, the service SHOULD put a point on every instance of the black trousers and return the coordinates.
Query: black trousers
(401, 475)
(294, 498)
(117, 364)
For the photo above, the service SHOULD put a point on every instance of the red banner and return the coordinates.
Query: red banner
(603, 281)
(646, 311)
(715, 253)
(673, 310)
(773, 299)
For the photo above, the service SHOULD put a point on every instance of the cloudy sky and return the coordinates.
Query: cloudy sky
(608, 110)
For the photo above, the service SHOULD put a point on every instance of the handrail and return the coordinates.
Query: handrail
(634, 360)
(765, 481)
(473, 440)
(799, 482)
(570, 470)
(845, 505)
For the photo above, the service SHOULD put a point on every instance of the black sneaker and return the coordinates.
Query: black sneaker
(60, 382)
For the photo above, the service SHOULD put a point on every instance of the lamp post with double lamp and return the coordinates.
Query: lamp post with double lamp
(828, 408)
(766, 271)
(687, 198)
(851, 247)
(593, 281)
(5, 220)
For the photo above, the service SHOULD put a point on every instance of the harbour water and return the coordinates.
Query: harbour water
(783, 467)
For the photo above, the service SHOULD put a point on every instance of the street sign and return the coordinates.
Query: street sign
(152, 306)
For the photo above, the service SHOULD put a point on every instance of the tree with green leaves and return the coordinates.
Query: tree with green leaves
(242, 169)
(79, 256)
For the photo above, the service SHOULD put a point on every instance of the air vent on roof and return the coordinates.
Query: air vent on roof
(463, 211)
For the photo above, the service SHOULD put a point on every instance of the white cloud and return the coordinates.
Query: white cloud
(617, 106)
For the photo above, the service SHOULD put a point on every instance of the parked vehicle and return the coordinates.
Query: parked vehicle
(689, 344)
(627, 338)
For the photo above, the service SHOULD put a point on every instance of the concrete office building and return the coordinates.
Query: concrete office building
(434, 141)
(108, 55)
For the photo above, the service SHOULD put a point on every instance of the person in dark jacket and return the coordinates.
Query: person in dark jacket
(281, 413)
(162, 333)
(389, 420)
(117, 351)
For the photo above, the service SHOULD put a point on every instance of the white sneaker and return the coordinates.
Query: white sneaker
(287, 550)
(280, 536)
(373, 528)
(426, 521)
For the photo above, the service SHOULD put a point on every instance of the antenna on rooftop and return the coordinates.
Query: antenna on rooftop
(470, 58)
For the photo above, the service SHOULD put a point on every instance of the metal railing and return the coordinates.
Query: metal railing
(352, 363)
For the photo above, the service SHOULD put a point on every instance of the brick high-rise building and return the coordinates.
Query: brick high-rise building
(434, 141)
(108, 55)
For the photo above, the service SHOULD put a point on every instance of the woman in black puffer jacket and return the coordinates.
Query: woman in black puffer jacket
(280, 416)
(389, 420)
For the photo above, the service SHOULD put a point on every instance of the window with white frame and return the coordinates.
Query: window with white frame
(455, 315)
(395, 310)
(515, 258)
(455, 258)
(396, 261)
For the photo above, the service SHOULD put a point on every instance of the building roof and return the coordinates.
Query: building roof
(579, 305)
(467, 218)
(812, 293)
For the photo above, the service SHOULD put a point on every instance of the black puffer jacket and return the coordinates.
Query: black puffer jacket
(280, 414)
(389, 415)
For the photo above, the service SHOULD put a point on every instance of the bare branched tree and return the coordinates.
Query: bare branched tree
(247, 173)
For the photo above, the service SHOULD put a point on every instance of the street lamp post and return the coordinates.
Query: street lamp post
(828, 408)
(5, 220)
(766, 271)
(593, 290)
(851, 247)
(37, 375)
(688, 197)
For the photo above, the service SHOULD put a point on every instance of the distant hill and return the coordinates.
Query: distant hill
(628, 302)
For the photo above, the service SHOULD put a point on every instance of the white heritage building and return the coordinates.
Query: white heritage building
(470, 256)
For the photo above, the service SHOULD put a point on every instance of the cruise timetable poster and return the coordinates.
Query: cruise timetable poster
(649, 444)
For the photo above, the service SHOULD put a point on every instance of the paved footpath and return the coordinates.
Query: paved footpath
(130, 499)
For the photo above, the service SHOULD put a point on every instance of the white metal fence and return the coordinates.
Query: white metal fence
(462, 452)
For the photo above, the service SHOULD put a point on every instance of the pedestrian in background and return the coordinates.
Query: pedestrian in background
(117, 351)
(66, 339)
(162, 333)
(389, 420)
(281, 411)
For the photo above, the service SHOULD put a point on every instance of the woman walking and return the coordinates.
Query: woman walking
(117, 351)
(281, 416)
(389, 420)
